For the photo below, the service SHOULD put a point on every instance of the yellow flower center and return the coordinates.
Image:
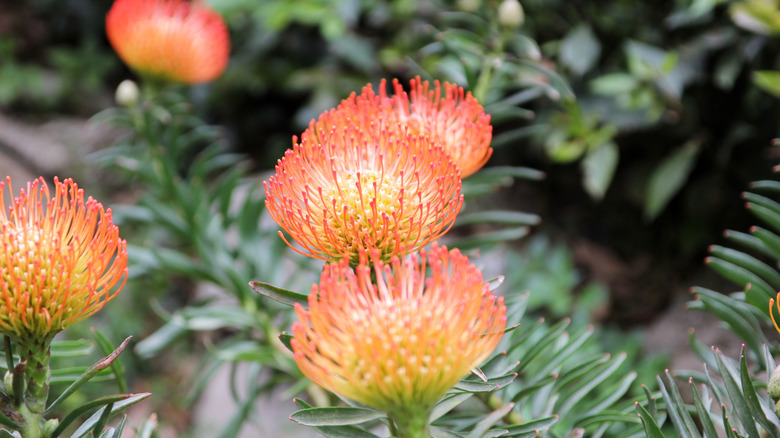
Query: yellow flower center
(362, 205)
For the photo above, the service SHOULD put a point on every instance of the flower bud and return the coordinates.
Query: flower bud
(127, 93)
(8, 382)
(469, 5)
(510, 14)
(51, 425)
(773, 388)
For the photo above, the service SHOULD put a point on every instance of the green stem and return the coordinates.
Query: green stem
(32, 422)
(37, 375)
(410, 425)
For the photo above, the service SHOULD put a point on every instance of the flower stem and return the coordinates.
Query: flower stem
(37, 375)
(410, 425)
(32, 422)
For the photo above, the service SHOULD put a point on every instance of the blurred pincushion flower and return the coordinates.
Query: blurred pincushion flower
(60, 260)
(353, 190)
(454, 119)
(175, 40)
(400, 342)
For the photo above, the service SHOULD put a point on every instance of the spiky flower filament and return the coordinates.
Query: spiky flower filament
(355, 190)
(400, 342)
(452, 119)
(771, 312)
(175, 40)
(61, 259)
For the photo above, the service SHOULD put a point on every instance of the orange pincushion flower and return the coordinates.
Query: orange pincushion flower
(353, 190)
(454, 120)
(61, 257)
(401, 342)
(176, 40)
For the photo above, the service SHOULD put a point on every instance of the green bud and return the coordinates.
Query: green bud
(510, 14)
(49, 426)
(773, 388)
(8, 383)
(127, 93)
(468, 5)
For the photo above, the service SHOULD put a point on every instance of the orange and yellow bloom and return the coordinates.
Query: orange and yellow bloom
(174, 40)
(61, 259)
(452, 119)
(353, 190)
(400, 342)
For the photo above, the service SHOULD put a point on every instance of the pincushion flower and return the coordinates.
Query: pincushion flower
(174, 40)
(453, 119)
(61, 260)
(398, 343)
(353, 189)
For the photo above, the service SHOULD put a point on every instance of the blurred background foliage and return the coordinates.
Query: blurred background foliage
(624, 133)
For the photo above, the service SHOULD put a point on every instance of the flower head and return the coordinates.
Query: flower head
(351, 189)
(454, 120)
(175, 40)
(60, 259)
(400, 343)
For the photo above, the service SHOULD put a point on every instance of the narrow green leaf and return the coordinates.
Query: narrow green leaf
(120, 402)
(751, 242)
(756, 199)
(580, 49)
(651, 427)
(704, 414)
(736, 397)
(765, 214)
(734, 317)
(675, 407)
(448, 404)
(770, 239)
(488, 422)
(116, 365)
(148, 427)
(77, 348)
(490, 385)
(498, 217)
(531, 426)
(160, 340)
(438, 432)
(532, 388)
(281, 295)
(336, 431)
(90, 373)
(651, 404)
(335, 416)
(766, 80)
(491, 237)
(770, 185)
(598, 168)
(490, 174)
(669, 177)
(748, 262)
(102, 420)
(589, 383)
(752, 399)
(741, 277)
(611, 395)
(286, 339)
